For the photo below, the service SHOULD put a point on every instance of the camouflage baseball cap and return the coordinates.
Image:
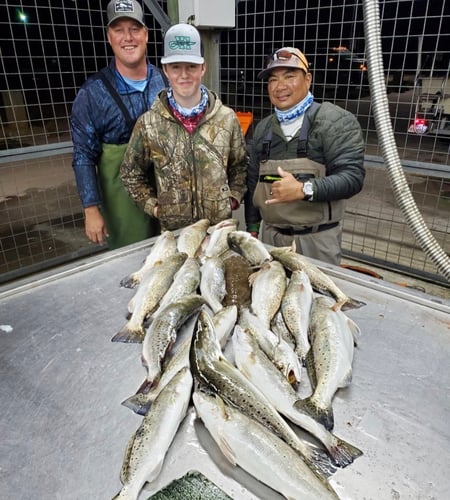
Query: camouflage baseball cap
(182, 44)
(119, 9)
(286, 57)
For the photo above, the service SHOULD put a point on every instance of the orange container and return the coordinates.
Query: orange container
(245, 119)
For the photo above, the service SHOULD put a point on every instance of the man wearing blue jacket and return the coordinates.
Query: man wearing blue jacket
(103, 116)
(306, 160)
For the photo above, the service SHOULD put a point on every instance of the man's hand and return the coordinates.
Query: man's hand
(286, 190)
(95, 226)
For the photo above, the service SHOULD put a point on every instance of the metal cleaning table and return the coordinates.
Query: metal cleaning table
(63, 430)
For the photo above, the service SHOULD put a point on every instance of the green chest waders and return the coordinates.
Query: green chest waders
(126, 222)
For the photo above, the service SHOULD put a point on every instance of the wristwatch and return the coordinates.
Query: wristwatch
(308, 190)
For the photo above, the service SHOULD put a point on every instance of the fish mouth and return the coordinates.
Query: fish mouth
(292, 378)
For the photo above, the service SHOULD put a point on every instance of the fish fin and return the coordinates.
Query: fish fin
(356, 331)
(130, 336)
(309, 364)
(346, 379)
(129, 281)
(352, 303)
(227, 451)
(343, 453)
(145, 387)
(125, 469)
(324, 416)
(320, 462)
(223, 407)
(222, 443)
(252, 277)
(138, 403)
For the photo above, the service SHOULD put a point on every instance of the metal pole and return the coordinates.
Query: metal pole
(211, 45)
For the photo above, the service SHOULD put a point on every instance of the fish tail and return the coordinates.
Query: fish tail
(129, 335)
(124, 494)
(343, 453)
(138, 403)
(129, 281)
(352, 303)
(324, 416)
(320, 462)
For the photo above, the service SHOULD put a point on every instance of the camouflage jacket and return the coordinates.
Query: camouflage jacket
(189, 176)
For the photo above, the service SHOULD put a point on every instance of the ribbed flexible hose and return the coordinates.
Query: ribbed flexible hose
(400, 187)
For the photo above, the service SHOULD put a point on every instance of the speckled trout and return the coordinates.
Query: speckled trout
(146, 450)
(329, 361)
(191, 237)
(256, 366)
(319, 280)
(148, 296)
(212, 370)
(268, 287)
(162, 333)
(296, 308)
(164, 245)
(217, 240)
(212, 282)
(185, 281)
(178, 358)
(249, 247)
(276, 348)
(247, 443)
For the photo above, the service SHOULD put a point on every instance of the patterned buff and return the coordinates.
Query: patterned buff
(296, 111)
(189, 118)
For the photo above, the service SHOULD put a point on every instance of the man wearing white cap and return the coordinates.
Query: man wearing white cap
(306, 159)
(103, 116)
(190, 141)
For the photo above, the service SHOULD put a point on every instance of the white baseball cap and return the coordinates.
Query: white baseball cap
(119, 9)
(182, 43)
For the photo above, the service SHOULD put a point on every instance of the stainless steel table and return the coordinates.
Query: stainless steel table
(63, 430)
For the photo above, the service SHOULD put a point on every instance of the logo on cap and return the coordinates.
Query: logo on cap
(124, 6)
(182, 43)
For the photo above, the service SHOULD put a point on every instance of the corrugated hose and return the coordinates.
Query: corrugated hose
(383, 123)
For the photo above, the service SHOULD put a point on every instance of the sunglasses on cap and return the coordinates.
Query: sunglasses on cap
(285, 55)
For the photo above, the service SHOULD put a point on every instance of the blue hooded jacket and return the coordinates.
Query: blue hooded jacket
(97, 119)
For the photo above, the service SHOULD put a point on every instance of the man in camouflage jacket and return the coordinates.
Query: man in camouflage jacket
(189, 143)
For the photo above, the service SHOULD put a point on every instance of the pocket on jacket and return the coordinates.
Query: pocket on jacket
(175, 208)
(216, 204)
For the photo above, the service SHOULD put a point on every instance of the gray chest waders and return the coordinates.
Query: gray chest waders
(297, 215)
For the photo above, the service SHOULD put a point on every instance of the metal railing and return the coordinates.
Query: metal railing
(45, 59)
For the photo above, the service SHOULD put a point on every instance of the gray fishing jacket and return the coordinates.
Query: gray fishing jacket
(195, 175)
(334, 140)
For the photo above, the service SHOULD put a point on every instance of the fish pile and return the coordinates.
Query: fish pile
(228, 324)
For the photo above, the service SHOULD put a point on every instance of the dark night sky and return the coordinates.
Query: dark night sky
(70, 34)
